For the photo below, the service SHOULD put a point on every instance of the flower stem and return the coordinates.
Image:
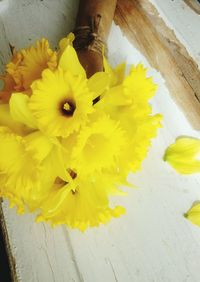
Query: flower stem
(93, 24)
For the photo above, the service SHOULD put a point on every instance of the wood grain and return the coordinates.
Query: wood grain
(193, 4)
(141, 23)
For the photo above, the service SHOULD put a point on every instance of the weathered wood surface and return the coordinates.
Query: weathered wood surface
(153, 241)
(142, 24)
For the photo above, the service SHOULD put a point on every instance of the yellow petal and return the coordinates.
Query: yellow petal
(51, 93)
(115, 96)
(38, 144)
(193, 214)
(57, 199)
(69, 62)
(98, 83)
(120, 72)
(183, 154)
(7, 121)
(66, 41)
(20, 111)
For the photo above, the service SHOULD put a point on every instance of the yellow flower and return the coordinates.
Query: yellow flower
(15, 173)
(99, 145)
(81, 204)
(68, 142)
(26, 66)
(183, 155)
(28, 171)
(139, 140)
(193, 214)
(128, 104)
(135, 91)
(60, 102)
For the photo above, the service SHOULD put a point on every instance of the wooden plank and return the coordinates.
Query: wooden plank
(184, 21)
(153, 242)
(141, 23)
(194, 4)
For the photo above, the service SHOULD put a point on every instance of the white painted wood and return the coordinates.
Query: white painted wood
(184, 21)
(153, 241)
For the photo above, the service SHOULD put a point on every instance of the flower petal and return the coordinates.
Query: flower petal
(69, 62)
(193, 214)
(182, 155)
(6, 120)
(66, 41)
(39, 145)
(116, 75)
(98, 83)
(20, 111)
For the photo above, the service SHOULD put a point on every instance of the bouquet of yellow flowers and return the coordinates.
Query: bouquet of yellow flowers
(67, 142)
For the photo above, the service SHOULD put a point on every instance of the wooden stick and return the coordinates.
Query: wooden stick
(93, 24)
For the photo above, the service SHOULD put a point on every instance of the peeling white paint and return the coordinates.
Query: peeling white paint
(184, 21)
(153, 241)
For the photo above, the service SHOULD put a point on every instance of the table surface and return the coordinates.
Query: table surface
(153, 241)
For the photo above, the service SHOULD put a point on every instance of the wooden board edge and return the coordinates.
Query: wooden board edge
(141, 23)
(11, 259)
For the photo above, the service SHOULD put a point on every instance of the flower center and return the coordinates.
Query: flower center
(68, 107)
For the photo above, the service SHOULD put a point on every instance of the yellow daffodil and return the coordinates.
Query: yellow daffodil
(139, 139)
(28, 172)
(184, 154)
(17, 176)
(193, 214)
(128, 104)
(26, 66)
(67, 142)
(60, 102)
(135, 91)
(81, 204)
(98, 145)
(33, 61)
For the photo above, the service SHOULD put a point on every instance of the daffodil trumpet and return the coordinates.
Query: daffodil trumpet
(70, 134)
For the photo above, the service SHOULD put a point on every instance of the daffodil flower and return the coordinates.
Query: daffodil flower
(25, 67)
(85, 206)
(102, 140)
